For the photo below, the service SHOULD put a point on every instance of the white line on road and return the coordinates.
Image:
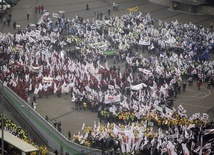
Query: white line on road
(199, 106)
(197, 94)
(194, 97)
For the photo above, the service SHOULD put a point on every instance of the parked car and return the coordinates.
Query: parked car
(4, 5)
(11, 2)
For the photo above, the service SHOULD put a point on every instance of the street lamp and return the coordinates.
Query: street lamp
(28, 118)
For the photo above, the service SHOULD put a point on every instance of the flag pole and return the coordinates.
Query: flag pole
(2, 115)
(200, 153)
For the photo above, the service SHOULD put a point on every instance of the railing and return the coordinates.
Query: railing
(54, 139)
(190, 2)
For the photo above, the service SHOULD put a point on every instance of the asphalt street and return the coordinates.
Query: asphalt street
(62, 109)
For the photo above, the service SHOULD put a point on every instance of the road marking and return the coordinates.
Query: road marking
(193, 90)
(62, 115)
(197, 94)
(194, 97)
(199, 106)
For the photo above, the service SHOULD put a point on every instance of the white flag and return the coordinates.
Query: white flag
(83, 126)
(95, 126)
(55, 15)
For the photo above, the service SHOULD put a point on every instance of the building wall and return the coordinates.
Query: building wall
(209, 10)
(162, 2)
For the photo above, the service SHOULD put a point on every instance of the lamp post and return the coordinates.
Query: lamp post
(201, 145)
(28, 118)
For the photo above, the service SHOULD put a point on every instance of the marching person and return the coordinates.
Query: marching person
(184, 86)
(117, 7)
(46, 118)
(59, 91)
(69, 135)
(55, 124)
(199, 85)
(39, 8)
(46, 90)
(42, 9)
(114, 5)
(190, 80)
(56, 152)
(208, 84)
(36, 9)
(59, 126)
(34, 105)
(14, 25)
(84, 105)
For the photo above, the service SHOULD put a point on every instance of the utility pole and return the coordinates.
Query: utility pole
(1, 7)
(2, 126)
(2, 4)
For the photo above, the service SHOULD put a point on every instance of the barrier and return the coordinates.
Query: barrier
(133, 9)
(54, 139)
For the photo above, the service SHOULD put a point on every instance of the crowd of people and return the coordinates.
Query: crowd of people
(40, 61)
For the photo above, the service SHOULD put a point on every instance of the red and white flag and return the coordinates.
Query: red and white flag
(207, 152)
(197, 149)
(110, 87)
(122, 144)
(209, 131)
(207, 146)
(185, 149)
(44, 16)
(170, 148)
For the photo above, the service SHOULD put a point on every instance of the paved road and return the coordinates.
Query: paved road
(61, 109)
(73, 7)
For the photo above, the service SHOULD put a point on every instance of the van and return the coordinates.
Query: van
(4, 5)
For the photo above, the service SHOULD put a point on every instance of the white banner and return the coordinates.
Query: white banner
(145, 71)
(175, 45)
(47, 79)
(55, 15)
(35, 69)
(44, 16)
(144, 42)
(138, 87)
(112, 98)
